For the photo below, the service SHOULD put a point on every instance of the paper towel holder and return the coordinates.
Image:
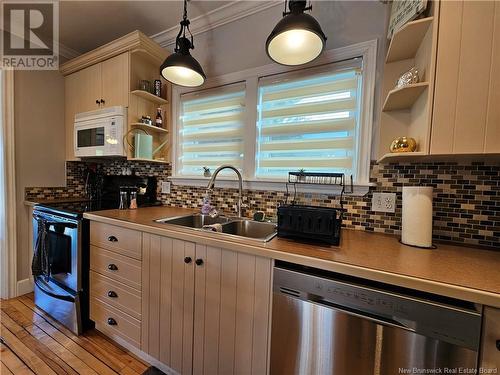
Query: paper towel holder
(432, 247)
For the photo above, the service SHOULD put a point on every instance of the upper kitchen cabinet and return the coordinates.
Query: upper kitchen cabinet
(454, 109)
(109, 76)
(466, 118)
(407, 111)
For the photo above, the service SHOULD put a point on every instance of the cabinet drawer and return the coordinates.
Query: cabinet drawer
(116, 294)
(116, 266)
(115, 323)
(124, 241)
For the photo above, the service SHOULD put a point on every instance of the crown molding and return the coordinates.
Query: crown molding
(225, 14)
(67, 52)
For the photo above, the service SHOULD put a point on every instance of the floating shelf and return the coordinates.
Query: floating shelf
(406, 41)
(147, 127)
(397, 157)
(149, 160)
(148, 96)
(404, 97)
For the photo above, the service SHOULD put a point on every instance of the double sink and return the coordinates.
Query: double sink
(229, 226)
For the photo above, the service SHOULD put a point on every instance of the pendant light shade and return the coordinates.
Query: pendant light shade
(297, 39)
(180, 68)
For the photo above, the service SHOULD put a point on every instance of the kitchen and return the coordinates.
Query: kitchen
(215, 197)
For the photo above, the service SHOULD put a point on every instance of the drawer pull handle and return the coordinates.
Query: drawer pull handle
(498, 345)
(112, 267)
(187, 260)
(112, 294)
(199, 262)
(112, 239)
(112, 322)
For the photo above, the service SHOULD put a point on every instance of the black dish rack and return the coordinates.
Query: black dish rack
(311, 222)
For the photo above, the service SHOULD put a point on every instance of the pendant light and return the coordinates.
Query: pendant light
(297, 39)
(181, 68)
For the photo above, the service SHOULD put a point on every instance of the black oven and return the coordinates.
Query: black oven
(61, 289)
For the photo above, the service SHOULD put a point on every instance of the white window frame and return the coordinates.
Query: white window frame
(367, 50)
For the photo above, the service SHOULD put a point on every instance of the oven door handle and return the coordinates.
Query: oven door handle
(53, 295)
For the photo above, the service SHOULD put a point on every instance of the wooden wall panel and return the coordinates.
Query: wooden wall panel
(492, 140)
(474, 76)
(228, 280)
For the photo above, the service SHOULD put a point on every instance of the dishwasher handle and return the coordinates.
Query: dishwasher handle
(358, 313)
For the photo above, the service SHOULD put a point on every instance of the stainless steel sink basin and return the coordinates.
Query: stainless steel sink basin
(194, 221)
(250, 229)
(253, 230)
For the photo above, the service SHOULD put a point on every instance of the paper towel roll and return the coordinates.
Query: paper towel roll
(417, 216)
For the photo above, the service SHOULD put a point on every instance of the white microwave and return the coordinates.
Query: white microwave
(100, 133)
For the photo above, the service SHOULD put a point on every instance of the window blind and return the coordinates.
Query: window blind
(309, 121)
(211, 129)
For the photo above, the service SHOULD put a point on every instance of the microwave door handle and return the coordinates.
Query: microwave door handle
(53, 295)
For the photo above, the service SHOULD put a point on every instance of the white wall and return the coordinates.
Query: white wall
(39, 146)
(240, 44)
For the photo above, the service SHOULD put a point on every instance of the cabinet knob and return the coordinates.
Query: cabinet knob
(112, 239)
(103, 101)
(199, 262)
(498, 345)
(112, 267)
(112, 294)
(187, 260)
(112, 322)
(97, 102)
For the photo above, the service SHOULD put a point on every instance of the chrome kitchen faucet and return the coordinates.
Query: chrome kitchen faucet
(211, 183)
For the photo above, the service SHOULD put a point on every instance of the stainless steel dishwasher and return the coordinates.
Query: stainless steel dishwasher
(324, 323)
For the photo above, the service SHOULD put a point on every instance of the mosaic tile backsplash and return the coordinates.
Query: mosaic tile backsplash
(466, 197)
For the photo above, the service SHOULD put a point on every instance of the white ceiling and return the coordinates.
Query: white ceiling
(85, 25)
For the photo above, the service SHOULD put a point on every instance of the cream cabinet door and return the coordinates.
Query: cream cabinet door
(89, 88)
(232, 311)
(82, 92)
(168, 301)
(115, 80)
(466, 113)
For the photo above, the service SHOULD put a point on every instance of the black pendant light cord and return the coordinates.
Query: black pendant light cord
(182, 32)
(296, 6)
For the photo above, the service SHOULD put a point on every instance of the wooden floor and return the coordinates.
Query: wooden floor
(34, 343)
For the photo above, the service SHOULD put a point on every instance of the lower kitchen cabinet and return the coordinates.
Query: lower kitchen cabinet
(205, 310)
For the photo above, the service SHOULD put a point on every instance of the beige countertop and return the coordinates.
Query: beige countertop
(454, 271)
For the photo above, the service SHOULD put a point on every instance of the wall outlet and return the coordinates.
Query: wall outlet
(165, 187)
(384, 202)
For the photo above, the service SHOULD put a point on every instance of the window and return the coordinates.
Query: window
(277, 119)
(308, 121)
(211, 129)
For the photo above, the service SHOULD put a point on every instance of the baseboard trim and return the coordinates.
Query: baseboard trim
(24, 286)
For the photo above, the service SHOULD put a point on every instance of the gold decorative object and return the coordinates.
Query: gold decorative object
(403, 144)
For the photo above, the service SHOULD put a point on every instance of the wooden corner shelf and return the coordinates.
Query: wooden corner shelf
(149, 160)
(150, 97)
(397, 157)
(152, 128)
(404, 97)
(406, 41)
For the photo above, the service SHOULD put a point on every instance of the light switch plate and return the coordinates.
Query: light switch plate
(384, 202)
(165, 187)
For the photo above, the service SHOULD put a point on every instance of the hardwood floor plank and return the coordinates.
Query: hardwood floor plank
(4, 370)
(12, 362)
(57, 347)
(73, 347)
(103, 354)
(24, 353)
(125, 356)
(73, 361)
(45, 354)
